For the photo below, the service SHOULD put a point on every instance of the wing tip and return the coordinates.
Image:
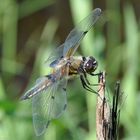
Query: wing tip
(41, 130)
(98, 11)
(24, 97)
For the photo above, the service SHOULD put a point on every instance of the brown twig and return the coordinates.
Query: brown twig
(107, 118)
(102, 112)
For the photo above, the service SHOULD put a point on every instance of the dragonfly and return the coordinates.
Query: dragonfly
(49, 92)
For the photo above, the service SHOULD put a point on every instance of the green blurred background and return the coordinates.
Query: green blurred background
(30, 29)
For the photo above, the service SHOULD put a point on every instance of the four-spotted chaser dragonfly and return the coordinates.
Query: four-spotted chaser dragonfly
(49, 93)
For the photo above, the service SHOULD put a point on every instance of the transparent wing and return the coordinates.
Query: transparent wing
(77, 34)
(55, 56)
(49, 105)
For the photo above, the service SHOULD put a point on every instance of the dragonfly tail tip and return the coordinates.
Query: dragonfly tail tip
(23, 98)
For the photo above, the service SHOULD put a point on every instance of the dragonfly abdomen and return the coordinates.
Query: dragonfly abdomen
(41, 85)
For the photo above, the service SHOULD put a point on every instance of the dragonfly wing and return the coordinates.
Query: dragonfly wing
(59, 100)
(49, 105)
(55, 56)
(77, 34)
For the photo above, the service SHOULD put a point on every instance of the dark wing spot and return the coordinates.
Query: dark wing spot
(47, 123)
(52, 97)
(54, 63)
(49, 76)
(85, 32)
(64, 89)
(65, 106)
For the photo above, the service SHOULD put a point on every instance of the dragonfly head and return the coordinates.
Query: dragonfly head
(90, 64)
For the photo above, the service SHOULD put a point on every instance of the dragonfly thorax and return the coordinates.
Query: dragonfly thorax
(90, 64)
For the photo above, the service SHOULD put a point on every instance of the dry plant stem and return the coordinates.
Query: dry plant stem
(115, 112)
(102, 112)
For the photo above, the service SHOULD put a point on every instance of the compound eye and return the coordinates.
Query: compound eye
(89, 65)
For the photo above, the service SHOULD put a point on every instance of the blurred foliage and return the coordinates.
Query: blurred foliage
(30, 29)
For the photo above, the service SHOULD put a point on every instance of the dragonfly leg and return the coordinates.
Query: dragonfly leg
(96, 74)
(86, 86)
(85, 76)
